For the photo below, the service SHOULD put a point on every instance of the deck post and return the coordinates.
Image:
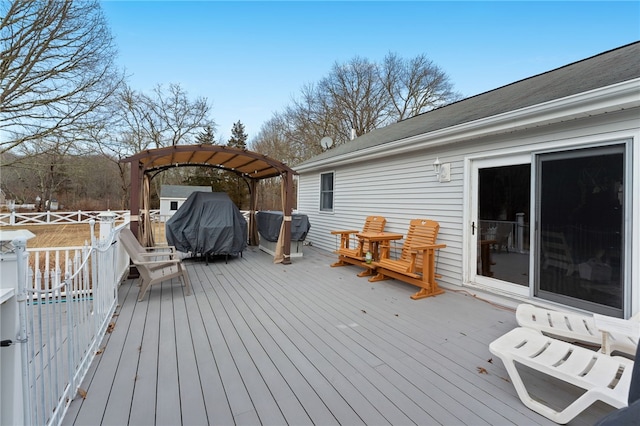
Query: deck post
(106, 220)
(520, 231)
(14, 388)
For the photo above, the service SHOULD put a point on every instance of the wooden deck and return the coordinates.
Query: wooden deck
(262, 343)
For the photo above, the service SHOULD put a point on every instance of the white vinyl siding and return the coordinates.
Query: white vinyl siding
(404, 186)
(379, 188)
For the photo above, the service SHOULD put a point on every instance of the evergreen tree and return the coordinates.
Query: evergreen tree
(205, 176)
(206, 137)
(238, 136)
(236, 186)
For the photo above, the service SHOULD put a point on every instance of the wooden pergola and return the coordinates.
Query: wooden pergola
(249, 165)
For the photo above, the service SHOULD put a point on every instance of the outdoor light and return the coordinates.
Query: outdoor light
(436, 166)
(442, 170)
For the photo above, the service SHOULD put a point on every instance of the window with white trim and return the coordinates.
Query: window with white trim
(326, 191)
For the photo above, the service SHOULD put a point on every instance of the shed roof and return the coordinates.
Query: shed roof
(605, 69)
(181, 191)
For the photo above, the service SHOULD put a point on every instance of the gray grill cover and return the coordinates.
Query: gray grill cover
(208, 223)
(269, 223)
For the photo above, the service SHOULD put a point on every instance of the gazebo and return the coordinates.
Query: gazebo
(249, 165)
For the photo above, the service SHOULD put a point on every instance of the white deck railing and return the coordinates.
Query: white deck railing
(65, 300)
(510, 234)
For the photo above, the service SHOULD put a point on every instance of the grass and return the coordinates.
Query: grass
(66, 235)
(70, 234)
(58, 235)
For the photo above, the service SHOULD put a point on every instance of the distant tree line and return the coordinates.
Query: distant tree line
(68, 116)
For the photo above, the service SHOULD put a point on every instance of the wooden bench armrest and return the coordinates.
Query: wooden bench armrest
(414, 254)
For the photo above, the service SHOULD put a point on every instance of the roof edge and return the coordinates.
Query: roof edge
(619, 96)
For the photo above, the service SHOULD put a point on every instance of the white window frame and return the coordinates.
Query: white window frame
(324, 191)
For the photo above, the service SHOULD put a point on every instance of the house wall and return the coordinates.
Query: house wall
(404, 186)
(399, 188)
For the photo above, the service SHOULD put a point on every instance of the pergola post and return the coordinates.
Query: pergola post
(253, 202)
(134, 207)
(286, 216)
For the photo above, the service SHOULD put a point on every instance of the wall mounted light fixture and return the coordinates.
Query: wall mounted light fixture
(442, 170)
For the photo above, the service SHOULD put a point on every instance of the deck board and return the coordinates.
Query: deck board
(209, 382)
(143, 404)
(265, 343)
(332, 369)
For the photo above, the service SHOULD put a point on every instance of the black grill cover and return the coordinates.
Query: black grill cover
(208, 223)
(269, 223)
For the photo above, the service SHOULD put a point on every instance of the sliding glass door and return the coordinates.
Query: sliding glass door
(580, 210)
(500, 215)
(503, 210)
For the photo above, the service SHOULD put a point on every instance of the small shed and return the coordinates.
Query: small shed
(173, 196)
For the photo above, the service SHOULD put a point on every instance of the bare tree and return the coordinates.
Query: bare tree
(309, 119)
(56, 68)
(142, 121)
(85, 181)
(276, 139)
(42, 170)
(360, 96)
(356, 95)
(174, 119)
(163, 118)
(414, 86)
(135, 124)
(285, 137)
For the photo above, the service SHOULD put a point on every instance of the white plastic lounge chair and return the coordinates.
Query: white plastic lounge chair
(631, 414)
(604, 377)
(574, 327)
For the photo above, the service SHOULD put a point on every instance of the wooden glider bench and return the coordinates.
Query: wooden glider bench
(575, 328)
(155, 264)
(416, 264)
(352, 250)
(603, 377)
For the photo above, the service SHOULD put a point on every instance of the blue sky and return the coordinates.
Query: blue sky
(250, 59)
